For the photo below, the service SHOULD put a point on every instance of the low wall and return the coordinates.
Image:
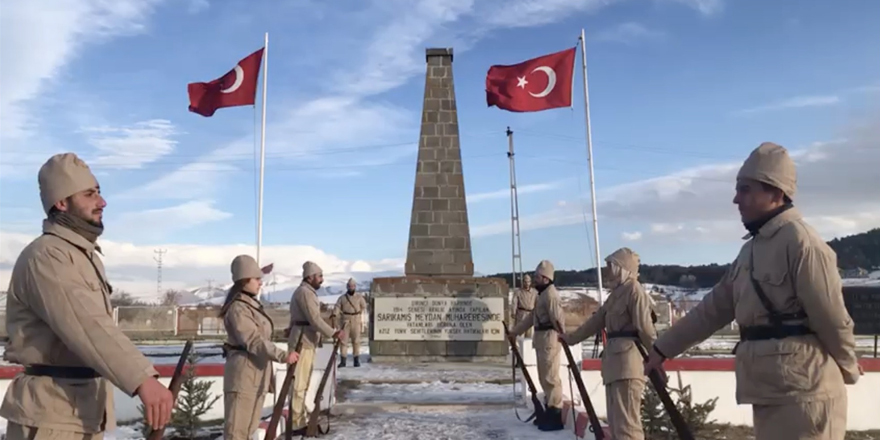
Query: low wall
(126, 407)
(710, 378)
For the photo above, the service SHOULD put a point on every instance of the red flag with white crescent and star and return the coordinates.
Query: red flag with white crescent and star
(238, 87)
(533, 85)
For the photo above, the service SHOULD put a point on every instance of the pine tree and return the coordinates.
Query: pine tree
(658, 425)
(195, 399)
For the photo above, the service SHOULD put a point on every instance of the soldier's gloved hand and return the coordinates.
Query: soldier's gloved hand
(292, 358)
(655, 362)
(340, 335)
(861, 370)
(158, 402)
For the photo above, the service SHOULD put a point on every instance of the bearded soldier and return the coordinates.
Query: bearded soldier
(627, 318)
(796, 349)
(60, 322)
(348, 312)
(305, 319)
(524, 302)
(546, 318)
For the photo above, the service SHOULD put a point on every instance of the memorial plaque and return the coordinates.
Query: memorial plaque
(438, 319)
(863, 305)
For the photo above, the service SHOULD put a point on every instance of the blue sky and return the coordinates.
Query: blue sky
(681, 91)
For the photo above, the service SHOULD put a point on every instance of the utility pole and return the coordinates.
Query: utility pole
(516, 247)
(160, 253)
(210, 284)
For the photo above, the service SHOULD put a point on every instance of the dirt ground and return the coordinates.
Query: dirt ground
(728, 432)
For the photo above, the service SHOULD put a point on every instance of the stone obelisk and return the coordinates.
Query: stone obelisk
(439, 236)
(438, 310)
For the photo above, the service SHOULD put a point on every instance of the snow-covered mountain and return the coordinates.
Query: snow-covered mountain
(278, 287)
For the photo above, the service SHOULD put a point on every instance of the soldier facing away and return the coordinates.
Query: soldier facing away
(524, 302)
(60, 322)
(627, 319)
(305, 319)
(348, 312)
(546, 316)
(249, 351)
(796, 349)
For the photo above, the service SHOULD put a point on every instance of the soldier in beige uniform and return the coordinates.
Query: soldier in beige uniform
(348, 311)
(305, 319)
(627, 319)
(546, 317)
(523, 302)
(796, 349)
(60, 323)
(249, 351)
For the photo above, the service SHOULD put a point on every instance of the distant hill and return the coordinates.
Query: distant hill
(858, 251)
(853, 252)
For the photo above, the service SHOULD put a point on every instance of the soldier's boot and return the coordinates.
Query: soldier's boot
(341, 362)
(552, 420)
(357, 361)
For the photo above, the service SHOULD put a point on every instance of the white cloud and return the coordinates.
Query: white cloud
(631, 236)
(505, 193)
(837, 193)
(796, 102)
(131, 146)
(37, 39)
(196, 6)
(544, 220)
(706, 7)
(153, 224)
(627, 33)
(393, 53)
(133, 267)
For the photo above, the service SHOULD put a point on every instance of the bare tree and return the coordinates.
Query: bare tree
(172, 297)
(121, 298)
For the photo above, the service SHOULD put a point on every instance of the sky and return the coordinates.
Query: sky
(680, 92)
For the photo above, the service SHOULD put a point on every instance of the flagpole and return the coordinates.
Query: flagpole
(262, 147)
(590, 160)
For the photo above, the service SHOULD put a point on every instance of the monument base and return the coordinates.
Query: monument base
(438, 319)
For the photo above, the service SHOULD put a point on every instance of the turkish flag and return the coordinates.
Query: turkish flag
(237, 87)
(533, 85)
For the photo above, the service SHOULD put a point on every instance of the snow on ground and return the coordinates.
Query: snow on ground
(423, 372)
(440, 424)
(435, 393)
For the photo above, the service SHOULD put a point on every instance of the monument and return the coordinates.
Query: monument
(438, 311)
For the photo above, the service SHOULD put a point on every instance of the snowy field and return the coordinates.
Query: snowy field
(441, 424)
(434, 393)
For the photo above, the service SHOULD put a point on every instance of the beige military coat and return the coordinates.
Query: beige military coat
(627, 309)
(548, 310)
(249, 363)
(798, 272)
(523, 302)
(58, 313)
(305, 307)
(348, 304)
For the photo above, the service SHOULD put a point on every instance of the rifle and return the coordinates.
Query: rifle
(595, 427)
(312, 429)
(539, 410)
(174, 386)
(684, 432)
(282, 396)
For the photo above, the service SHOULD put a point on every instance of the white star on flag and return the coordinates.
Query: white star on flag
(521, 82)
